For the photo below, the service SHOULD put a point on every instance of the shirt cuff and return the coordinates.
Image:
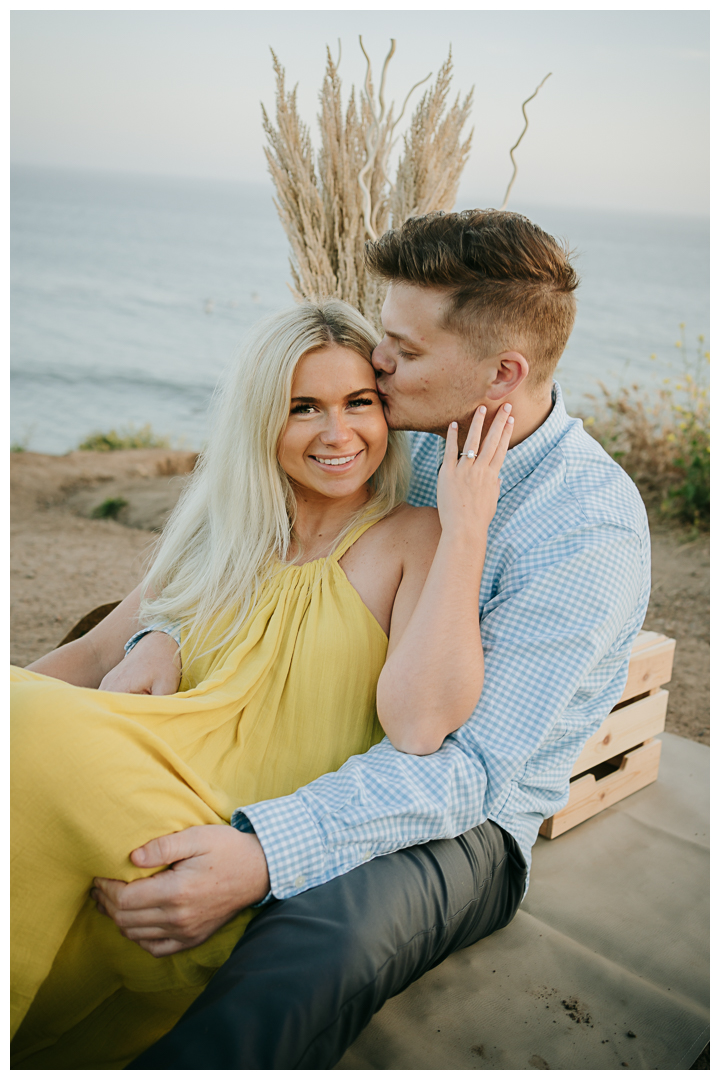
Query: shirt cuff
(294, 865)
(173, 630)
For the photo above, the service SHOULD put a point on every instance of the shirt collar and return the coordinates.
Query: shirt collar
(527, 455)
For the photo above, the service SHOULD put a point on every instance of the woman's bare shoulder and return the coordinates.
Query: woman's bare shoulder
(416, 529)
(408, 518)
(408, 533)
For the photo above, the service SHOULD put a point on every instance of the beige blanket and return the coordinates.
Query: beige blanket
(605, 966)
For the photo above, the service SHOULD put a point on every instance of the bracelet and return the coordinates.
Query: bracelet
(173, 631)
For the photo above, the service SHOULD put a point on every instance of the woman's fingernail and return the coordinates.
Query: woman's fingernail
(507, 407)
(454, 425)
(482, 409)
(510, 420)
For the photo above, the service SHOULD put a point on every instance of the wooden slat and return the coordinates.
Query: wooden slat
(651, 664)
(624, 728)
(88, 622)
(644, 639)
(589, 796)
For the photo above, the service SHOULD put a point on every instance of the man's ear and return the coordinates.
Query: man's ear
(511, 370)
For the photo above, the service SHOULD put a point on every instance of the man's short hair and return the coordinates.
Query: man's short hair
(511, 284)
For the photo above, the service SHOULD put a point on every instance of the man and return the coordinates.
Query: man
(479, 308)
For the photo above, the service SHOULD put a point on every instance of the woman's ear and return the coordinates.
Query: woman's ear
(511, 370)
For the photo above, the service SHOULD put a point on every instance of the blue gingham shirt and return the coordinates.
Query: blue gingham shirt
(563, 594)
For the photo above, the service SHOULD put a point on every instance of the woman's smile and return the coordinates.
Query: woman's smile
(337, 464)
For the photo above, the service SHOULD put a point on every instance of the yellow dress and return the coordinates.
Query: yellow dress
(96, 774)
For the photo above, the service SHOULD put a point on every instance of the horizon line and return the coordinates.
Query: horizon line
(266, 183)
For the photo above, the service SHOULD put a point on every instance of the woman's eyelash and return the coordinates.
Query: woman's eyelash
(305, 407)
(405, 355)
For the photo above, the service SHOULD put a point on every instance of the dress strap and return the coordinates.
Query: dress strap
(350, 538)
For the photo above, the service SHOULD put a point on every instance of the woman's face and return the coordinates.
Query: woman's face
(336, 435)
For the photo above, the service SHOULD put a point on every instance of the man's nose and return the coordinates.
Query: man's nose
(381, 358)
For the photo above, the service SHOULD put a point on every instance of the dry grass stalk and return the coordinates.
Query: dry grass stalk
(379, 142)
(300, 202)
(330, 204)
(430, 168)
(522, 133)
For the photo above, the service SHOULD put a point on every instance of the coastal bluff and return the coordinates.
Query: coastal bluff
(65, 561)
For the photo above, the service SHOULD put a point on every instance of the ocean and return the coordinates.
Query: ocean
(130, 295)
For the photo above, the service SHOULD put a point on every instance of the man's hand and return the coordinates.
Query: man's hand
(215, 871)
(151, 667)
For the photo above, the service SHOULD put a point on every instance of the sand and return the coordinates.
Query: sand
(64, 563)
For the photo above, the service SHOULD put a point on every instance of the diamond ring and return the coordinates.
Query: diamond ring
(469, 454)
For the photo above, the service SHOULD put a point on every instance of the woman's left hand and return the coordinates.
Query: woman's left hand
(152, 667)
(469, 486)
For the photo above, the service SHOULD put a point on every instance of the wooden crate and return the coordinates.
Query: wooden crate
(651, 662)
(622, 756)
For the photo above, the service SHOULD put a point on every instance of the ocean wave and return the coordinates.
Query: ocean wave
(30, 376)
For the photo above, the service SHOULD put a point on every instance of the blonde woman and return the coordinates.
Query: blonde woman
(302, 586)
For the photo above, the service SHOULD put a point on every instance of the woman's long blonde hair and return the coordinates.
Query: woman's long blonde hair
(234, 519)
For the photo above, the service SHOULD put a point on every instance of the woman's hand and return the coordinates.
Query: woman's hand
(151, 667)
(469, 486)
(433, 676)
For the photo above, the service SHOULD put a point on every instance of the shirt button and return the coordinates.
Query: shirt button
(300, 880)
(367, 854)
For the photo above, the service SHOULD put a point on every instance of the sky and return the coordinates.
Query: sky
(622, 123)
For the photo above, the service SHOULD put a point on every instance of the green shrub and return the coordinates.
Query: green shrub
(110, 508)
(131, 438)
(22, 445)
(662, 437)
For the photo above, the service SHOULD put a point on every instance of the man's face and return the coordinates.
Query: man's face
(426, 375)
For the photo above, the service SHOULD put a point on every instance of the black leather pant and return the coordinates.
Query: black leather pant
(310, 972)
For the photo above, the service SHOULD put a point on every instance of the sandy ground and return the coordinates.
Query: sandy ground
(64, 563)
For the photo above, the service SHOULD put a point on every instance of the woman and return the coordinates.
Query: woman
(301, 584)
